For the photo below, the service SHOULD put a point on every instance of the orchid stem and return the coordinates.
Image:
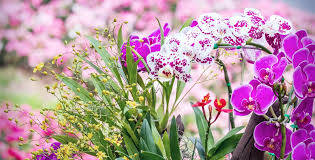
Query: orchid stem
(266, 117)
(207, 136)
(273, 112)
(259, 46)
(228, 84)
(283, 129)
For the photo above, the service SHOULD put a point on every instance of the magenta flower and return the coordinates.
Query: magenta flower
(257, 20)
(293, 44)
(303, 112)
(304, 80)
(269, 69)
(268, 137)
(50, 156)
(145, 46)
(304, 55)
(303, 143)
(255, 97)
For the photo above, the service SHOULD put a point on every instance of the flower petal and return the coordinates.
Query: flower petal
(299, 152)
(310, 72)
(311, 148)
(298, 137)
(300, 56)
(279, 68)
(290, 45)
(264, 98)
(264, 63)
(306, 41)
(264, 130)
(298, 82)
(240, 93)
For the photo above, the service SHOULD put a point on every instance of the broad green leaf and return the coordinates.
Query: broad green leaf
(146, 134)
(231, 133)
(76, 88)
(166, 143)
(157, 139)
(150, 156)
(131, 148)
(143, 145)
(162, 32)
(64, 139)
(174, 144)
(186, 24)
(107, 59)
(225, 147)
(202, 126)
(200, 149)
(119, 39)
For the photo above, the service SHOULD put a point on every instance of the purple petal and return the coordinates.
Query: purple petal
(264, 99)
(263, 130)
(310, 72)
(299, 152)
(290, 45)
(298, 81)
(156, 47)
(279, 69)
(311, 148)
(254, 83)
(299, 56)
(312, 134)
(242, 113)
(301, 34)
(240, 93)
(298, 137)
(306, 41)
(305, 106)
(265, 62)
(262, 148)
(309, 129)
(310, 47)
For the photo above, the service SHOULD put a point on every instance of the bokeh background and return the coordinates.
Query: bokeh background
(35, 31)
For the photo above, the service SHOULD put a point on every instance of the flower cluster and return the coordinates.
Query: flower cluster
(196, 42)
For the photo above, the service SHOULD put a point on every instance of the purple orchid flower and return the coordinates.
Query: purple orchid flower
(295, 44)
(303, 143)
(52, 156)
(255, 97)
(269, 69)
(303, 112)
(304, 80)
(268, 137)
(145, 46)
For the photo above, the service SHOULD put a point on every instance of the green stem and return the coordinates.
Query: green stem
(283, 129)
(207, 136)
(273, 112)
(259, 46)
(228, 84)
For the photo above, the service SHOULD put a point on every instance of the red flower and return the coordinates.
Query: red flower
(219, 104)
(206, 100)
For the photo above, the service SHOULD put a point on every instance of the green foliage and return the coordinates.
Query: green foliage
(202, 126)
(174, 143)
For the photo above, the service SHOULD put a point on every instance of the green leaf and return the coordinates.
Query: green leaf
(64, 139)
(157, 139)
(186, 24)
(179, 89)
(166, 143)
(151, 156)
(174, 144)
(76, 88)
(131, 133)
(202, 126)
(132, 69)
(131, 148)
(146, 134)
(162, 32)
(107, 59)
(200, 149)
(231, 133)
(225, 147)
(119, 39)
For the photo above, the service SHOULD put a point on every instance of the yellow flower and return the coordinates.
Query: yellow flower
(38, 67)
